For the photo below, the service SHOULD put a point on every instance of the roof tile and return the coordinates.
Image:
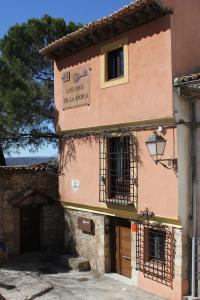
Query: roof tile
(155, 6)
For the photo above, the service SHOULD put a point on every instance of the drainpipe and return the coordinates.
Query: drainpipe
(194, 192)
(194, 199)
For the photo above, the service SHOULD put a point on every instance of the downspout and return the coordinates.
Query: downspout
(193, 191)
(194, 199)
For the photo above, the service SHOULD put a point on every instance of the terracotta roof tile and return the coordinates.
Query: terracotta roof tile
(49, 166)
(156, 9)
(187, 78)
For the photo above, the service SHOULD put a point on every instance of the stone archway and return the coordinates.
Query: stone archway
(30, 205)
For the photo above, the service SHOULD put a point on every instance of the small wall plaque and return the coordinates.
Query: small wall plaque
(66, 76)
(86, 225)
(75, 184)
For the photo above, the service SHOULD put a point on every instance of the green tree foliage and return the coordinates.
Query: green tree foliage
(26, 82)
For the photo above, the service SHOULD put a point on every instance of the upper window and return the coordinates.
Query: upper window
(114, 63)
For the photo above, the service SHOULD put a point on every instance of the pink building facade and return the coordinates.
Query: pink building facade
(127, 211)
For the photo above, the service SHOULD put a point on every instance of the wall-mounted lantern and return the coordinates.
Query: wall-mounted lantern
(156, 147)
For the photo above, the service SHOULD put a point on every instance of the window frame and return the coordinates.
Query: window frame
(148, 244)
(105, 83)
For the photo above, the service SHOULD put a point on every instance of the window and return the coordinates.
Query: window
(114, 63)
(154, 251)
(118, 170)
(155, 245)
(118, 167)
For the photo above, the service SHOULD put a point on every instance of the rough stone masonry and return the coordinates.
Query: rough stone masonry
(29, 187)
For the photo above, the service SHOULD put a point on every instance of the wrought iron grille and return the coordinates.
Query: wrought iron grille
(154, 249)
(118, 170)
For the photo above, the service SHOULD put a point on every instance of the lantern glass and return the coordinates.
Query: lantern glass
(152, 148)
(156, 145)
(160, 148)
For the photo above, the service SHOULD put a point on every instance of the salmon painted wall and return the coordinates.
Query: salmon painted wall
(185, 36)
(180, 288)
(157, 186)
(147, 95)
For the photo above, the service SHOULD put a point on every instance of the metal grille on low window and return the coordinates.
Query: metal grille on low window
(155, 250)
(118, 170)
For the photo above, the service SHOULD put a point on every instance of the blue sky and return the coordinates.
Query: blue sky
(84, 11)
(18, 11)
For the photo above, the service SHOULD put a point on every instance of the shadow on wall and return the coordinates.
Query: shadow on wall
(134, 35)
(70, 232)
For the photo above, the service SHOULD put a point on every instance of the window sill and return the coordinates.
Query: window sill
(114, 82)
(151, 262)
(118, 201)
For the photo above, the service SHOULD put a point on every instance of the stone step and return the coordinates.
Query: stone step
(75, 263)
(26, 286)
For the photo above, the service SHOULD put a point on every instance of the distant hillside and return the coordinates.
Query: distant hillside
(19, 161)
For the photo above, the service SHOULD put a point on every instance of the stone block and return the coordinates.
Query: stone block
(75, 263)
(27, 286)
(94, 247)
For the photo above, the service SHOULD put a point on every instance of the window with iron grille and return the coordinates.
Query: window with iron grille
(155, 252)
(118, 170)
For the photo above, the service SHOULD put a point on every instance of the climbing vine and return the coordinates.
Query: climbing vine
(68, 143)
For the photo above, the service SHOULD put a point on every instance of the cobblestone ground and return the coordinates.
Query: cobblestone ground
(41, 272)
(89, 286)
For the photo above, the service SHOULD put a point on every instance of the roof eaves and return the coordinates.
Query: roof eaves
(53, 166)
(186, 79)
(54, 47)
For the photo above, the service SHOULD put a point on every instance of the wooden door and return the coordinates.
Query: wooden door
(124, 250)
(121, 247)
(29, 229)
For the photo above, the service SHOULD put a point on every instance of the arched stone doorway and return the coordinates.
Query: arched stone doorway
(31, 205)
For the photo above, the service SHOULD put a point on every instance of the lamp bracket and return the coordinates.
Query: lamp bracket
(170, 163)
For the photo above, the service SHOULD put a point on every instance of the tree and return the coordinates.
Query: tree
(27, 115)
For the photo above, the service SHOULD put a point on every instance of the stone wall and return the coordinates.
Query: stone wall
(95, 247)
(1, 220)
(30, 184)
(53, 226)
(182, 251)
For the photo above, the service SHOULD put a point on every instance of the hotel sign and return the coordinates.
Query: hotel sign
(76, 87)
